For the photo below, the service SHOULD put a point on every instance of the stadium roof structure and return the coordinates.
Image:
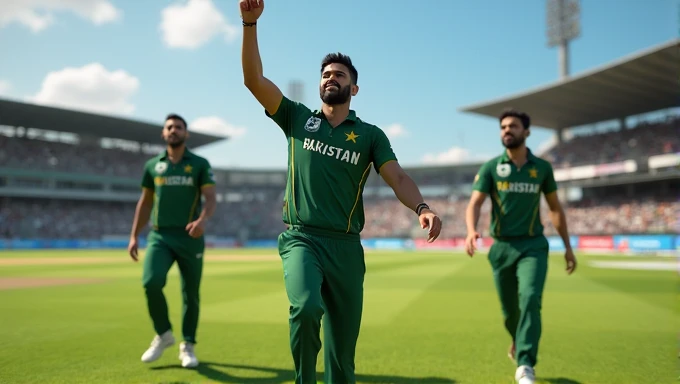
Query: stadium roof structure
(26, 115)
(642, 82)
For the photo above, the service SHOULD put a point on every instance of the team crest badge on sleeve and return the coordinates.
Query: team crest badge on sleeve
(503, 170)
(160, 167)
(313, 124)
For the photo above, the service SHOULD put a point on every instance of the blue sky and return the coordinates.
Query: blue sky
(418, 63)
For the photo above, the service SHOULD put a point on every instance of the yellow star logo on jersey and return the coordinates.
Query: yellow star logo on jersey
(533, 173)
(188, 169)
(351, 136)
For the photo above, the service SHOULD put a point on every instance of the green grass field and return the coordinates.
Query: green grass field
(429, 317)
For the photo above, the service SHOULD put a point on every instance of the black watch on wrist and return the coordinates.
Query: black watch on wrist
(420, 207)
(246, 24)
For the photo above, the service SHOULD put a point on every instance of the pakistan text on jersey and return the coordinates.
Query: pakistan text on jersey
(504, 186)
(174, 181)
(325, 149)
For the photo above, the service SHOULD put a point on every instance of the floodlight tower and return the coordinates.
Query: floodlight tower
(564, 25)
(296, 90)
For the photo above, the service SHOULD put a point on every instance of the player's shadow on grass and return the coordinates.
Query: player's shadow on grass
(279, 376)
(558, 380)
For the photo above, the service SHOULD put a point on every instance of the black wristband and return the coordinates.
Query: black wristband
(245, 24)
(420, 207)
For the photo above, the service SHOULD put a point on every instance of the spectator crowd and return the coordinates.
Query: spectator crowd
(256, 214)
(39, 155)
(645, 139)
(45, 218)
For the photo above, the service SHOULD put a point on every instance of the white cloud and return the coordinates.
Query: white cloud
(91, 87)
(454, 155)
(5, 87)
(395, 130)
(37, 15)
(190, 24)
(216, 126)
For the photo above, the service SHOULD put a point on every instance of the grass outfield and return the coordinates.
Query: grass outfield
(429, 317)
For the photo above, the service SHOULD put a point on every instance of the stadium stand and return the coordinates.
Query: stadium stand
(67, 175)
(605, 213)
(23, 153)
(643, 140)
(31, 218)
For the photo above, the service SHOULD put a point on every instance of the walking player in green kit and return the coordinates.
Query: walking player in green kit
(172, 185)
(519, 254)
(330, 154)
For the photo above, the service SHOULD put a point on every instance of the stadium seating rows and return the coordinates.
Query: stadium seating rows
(644, 139)
(54, 156)
(615, 216)
(42, 218)
(260, 217)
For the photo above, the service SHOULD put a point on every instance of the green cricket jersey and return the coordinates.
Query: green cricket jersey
(515, 194)
(177, 188)
(328, 168)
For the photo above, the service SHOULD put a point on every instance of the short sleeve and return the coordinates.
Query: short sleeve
(205, 177)
(285, 115)
(147, 178)
(381, 150)
(483, 181)
(549, 184)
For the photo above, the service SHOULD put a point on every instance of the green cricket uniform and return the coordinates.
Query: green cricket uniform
(323, 259)
(519, 254)
(177, 202)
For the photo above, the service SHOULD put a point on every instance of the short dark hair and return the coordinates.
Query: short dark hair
(178, 117)
(523, 117)
(339, 58)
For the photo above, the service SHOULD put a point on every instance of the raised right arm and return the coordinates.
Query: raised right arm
(265, 91)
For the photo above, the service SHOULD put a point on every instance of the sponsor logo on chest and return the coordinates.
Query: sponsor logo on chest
(174, 181)
(514, 187)
(339, 154)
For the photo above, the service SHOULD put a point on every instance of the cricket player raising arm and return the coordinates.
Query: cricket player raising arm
(330, 154)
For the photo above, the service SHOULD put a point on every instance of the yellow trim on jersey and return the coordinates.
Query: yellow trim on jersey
(533, 220)
(193, 207)
(494, 195)
(292, 181)
(155, 209)
(497, 197)
(207, 185)
(356, 201)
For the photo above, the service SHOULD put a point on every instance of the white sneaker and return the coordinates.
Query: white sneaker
(158, 345)
(525, 375)
(187, 355)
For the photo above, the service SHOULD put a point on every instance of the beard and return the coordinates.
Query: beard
(174, 142)
(512, 142)
(335, 97)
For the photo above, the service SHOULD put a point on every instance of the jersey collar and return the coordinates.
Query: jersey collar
(187, 154)
(352, 116)
(506, 159)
